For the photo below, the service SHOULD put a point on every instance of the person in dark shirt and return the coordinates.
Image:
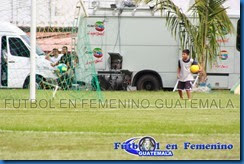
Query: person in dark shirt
(66, 79)
(66, 58)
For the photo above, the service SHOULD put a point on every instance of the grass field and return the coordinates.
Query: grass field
(89, 132)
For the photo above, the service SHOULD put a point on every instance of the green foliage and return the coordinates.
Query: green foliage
(199, 29)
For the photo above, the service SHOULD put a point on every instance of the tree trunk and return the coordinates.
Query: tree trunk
(202, 74)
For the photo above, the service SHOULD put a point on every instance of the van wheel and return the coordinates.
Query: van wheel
(39, 84)
(148, 82)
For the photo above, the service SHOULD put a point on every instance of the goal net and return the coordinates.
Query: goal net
(64, 58)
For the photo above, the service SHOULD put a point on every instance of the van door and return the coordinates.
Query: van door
(18, 62)
(3, 63)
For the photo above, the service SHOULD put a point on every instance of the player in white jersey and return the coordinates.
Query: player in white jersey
(184, 74)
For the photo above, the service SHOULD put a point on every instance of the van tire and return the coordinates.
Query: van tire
(148, 82)
(39, 80)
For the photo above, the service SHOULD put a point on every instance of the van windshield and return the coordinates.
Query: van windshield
(38, 49)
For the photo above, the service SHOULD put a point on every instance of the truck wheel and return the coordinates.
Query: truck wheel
(148, 82)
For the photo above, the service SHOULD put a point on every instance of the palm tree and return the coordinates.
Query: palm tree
(199, 31)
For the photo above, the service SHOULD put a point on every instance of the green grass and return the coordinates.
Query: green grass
(89, 133)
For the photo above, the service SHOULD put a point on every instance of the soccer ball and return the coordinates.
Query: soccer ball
(62, 68)
(195, 68)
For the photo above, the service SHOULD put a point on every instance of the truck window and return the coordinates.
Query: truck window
(18, 48)
(238, 36)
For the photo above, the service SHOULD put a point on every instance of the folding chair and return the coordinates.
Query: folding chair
(193, 85)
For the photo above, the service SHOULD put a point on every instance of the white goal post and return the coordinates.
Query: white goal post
(33, 52)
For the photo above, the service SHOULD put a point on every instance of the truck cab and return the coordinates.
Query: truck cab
(15, 59)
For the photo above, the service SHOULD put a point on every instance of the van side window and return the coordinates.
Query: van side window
(18, 48)
(238, 36)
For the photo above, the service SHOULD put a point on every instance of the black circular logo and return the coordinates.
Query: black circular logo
(147, 144)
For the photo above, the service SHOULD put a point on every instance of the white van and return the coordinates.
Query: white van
(15, 59)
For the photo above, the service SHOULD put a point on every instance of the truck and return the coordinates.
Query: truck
(15, 59)
(133, 48)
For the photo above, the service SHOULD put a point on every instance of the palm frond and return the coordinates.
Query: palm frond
(200, 33)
